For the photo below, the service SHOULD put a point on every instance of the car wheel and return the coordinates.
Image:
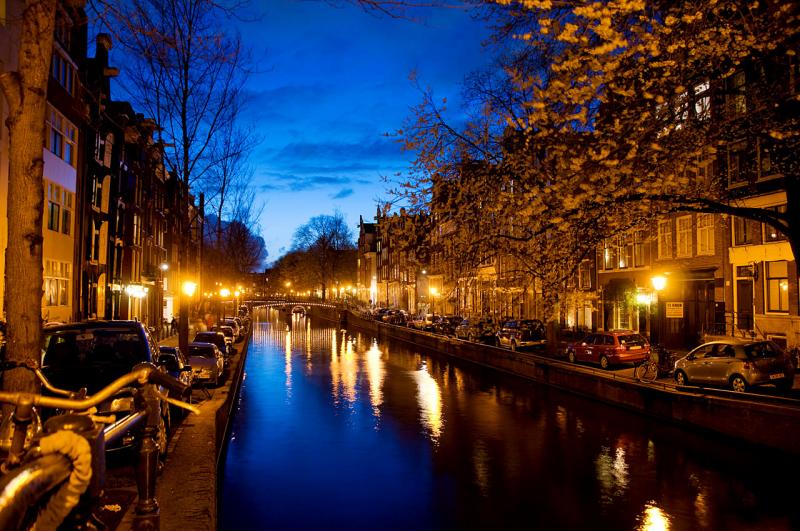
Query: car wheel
(571, 356)
(603, 362)
(681, 379)
(738, 383)
(471, 338)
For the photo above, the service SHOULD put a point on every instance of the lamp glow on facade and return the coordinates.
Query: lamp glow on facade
(224, 292)
(136, 291)
(163, 266)
(659, 282)
(189, 287)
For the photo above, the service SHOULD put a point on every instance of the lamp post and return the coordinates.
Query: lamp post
(163, 267)
(434, 292)
(188, 289)
(223, 294)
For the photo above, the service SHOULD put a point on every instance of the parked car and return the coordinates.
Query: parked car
(424, 322)
(737, 364)
(227, 331)
(175, 363)
(237, 332)
(207, 363)
(396, 317)
(92, 354)
(476, 329)
(446, 325)
(522, 333)
(215, 338)
(608, 348)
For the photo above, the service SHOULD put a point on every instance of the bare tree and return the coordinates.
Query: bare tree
(186, 70)
(325, 239)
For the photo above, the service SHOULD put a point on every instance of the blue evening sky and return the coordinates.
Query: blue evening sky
(332, 81)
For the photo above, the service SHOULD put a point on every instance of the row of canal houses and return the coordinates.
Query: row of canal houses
(111, 208)
(685, 278)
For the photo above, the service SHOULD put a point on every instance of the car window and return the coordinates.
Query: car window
(608, 340)
(703, 351)
(589, 339)
(202, 352)
(763, 349)
(633, 340)
(90, 357)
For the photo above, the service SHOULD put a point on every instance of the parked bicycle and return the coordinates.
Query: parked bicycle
(660, 363)
(55, 477)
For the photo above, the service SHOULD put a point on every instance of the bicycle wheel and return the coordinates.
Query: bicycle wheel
(646, 372)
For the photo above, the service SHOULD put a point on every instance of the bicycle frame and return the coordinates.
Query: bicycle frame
(30, 477)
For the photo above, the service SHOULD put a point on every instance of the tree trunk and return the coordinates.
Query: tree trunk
(26, 94)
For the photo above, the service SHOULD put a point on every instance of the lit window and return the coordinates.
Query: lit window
(777, 286)
(57, 282)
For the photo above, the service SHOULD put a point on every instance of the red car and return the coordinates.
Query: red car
(610, 348)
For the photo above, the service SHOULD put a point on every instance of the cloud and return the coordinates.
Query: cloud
(341, 194)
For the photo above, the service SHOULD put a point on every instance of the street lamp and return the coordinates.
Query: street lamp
(224, 293)
(434, 292)
(659, 282)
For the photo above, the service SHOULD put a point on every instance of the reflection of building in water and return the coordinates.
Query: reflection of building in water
(375, 373)
(430, 402)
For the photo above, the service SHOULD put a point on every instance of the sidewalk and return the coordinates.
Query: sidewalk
(186, 489)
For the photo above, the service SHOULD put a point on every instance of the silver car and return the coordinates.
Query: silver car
(736, 364)
(206, 362)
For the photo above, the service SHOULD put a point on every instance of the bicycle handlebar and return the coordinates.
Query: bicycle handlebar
(143, 373)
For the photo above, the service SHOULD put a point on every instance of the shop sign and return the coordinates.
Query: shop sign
(674, 310)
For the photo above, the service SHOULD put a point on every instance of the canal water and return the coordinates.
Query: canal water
(334, 430)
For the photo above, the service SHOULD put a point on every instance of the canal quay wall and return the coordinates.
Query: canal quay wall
(187, 488)
(773, 422)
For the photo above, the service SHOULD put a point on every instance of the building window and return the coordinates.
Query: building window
(57, 283)
(664, 239)
(62, 137)
(59, 209)
(625, 251)
(777, 286)
(137, 230)
(771, 234)
(737, 101)
(63, 71)
(638, 248)
(702, 101)
(744, 231)
(684, 225)
(585, 275)
(705, 234)
(609, 255)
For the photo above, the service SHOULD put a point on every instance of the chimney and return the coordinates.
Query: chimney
(103, 44)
